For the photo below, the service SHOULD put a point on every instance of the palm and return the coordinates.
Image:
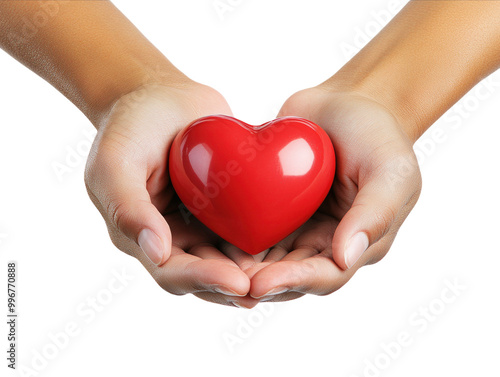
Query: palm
(136, 137)
(211, 263)
(365, 137)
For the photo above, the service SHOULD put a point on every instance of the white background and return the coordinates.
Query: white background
(256, 54)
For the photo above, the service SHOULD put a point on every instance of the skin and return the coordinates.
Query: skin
(374, 109)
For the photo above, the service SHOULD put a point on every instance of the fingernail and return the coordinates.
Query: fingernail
(238, 305)
(151, 245)
(226, 291)
(267, 298)
(274, 292)
(356, 246)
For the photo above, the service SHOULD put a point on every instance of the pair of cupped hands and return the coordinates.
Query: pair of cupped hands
(377, 183)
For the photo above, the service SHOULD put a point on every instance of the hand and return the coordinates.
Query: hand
(127, 179)
(377, 184)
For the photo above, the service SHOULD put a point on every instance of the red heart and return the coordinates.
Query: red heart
(252, 185)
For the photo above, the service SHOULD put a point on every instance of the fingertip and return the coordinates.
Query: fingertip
(245, 302)
(348, 246)
(151, 245)
(219, 277)
(240, 285)
(156, 244)
(355, 248)
(271, 279)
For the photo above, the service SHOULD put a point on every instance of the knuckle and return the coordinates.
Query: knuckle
(384, 219)
(300, 102)
(118, 213)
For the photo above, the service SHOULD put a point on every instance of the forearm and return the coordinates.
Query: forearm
(88, 50)
(426, 59)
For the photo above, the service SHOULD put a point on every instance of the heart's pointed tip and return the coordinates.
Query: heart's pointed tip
(253, 250)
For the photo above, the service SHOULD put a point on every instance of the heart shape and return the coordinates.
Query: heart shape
(252, 185)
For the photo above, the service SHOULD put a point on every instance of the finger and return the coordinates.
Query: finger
(299, 104)
(374, 212)
(281, 255)
(245, 302)
(275, 254)
(302, 252)
(242, 259)
(312, 238)
(119, 191)
(316, 275)
(216, 298)
(287, 296)
(208, 251)
(184, 273)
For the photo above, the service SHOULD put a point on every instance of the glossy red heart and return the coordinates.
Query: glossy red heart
(252, 185)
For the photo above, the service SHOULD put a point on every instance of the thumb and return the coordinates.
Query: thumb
(374, 212)
(123, 200)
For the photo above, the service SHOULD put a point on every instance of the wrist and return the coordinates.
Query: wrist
(99, 95)
(418, 76)
(388, 95)
(90, 52)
